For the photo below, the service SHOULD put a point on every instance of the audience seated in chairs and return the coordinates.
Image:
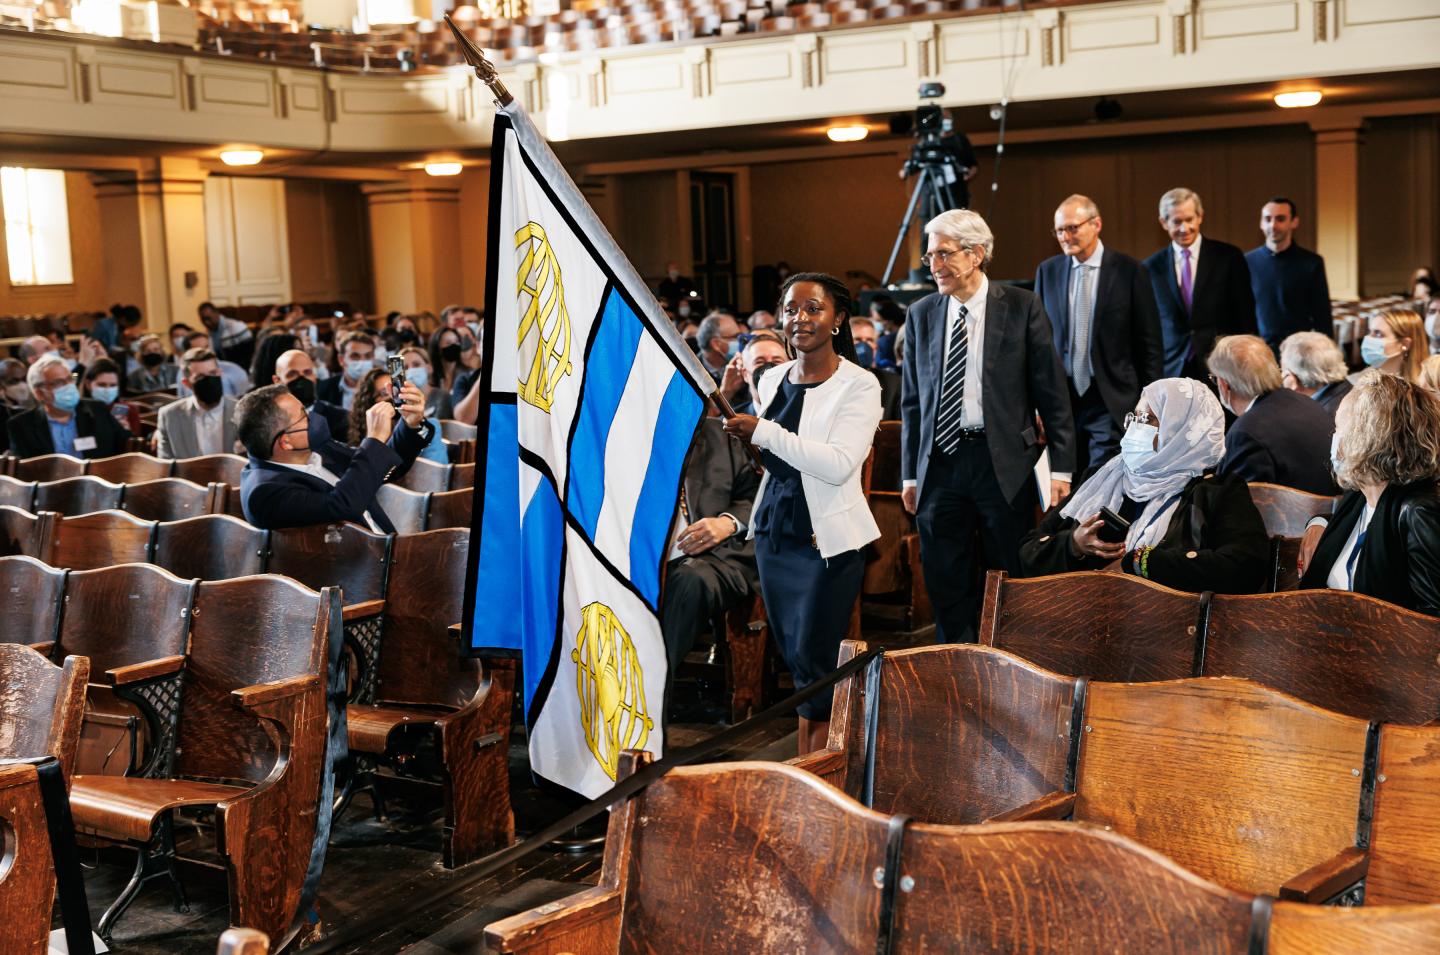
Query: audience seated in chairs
(203, 423)
(419, 371)
(759, 350)
(1190, 529)
(15, 396)
(375, 387)
(1397, 343)
(62, 422)
(1313, 365)
(1384, 537)
(1279, 436)
(290, 484)
(296, 370)
(154, 373)
(102, 384)
(235, 378)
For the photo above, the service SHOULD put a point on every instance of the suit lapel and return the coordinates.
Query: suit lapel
(997, 320)
(1061, 316)
(938, 319)
(1204, 265)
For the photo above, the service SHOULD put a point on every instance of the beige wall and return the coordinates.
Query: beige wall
(87, 261)
(653, 221)
(473, 236)
(328, 238)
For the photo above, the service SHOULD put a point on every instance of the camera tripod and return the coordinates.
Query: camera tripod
(932, 195)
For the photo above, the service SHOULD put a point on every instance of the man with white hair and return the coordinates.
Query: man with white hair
(1312, 364)
(980, 363)
(1202, 287)
(62, 422)
(33, 348)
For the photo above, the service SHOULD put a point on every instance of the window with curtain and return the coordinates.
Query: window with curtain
(37, 225)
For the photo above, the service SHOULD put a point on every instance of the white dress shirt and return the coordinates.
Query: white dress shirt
(210, 427)
(1176, 248)
(316, 467)
(972, 413)
(1341, 577)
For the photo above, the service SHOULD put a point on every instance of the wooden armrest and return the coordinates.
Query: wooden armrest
(1052, 806)
(43, 648)
(118, 720)
(575, 925)
(1328, 879)
(822, 762)
(253, 696)
(136, 672)
(365, 608)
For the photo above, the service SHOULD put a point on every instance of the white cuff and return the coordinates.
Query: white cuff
(907, 484)
(1060, 476)
(1317, 521)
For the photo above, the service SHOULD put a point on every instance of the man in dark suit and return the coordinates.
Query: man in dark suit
(980, 362)
(296, 371)
(712, 565)
(294, 482)
(62, 422)
(1279, 436)
(1202, 287)
(1314, 366)
(1107, 330)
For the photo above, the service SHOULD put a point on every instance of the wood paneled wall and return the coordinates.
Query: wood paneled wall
(87, 261)
(247, 241)
(328, 227)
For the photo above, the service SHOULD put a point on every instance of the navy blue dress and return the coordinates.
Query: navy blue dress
(807, 599)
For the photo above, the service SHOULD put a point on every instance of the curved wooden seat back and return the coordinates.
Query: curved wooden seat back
(131, 468)
(208, 468)
(169, 499)
(1341, 650)
(784, 864)
(27, 877)
(462, 475)
(426, 476)
(17, 493)
(103, 539)
(406, 509)
(419, 661)
(1297, 929)
(78, 495)
(1104, 626)
(1286, 510)
(245, 632)
(347, 556)
(886, 474)
(31, 594)
(964, 733)
(450, 509)
(1239, 783)
(123, 615)
(211, 547)
(29, 535)
(1405, 834)
(1057, 887)
(453, 430)
(41, 705)
(49, 467)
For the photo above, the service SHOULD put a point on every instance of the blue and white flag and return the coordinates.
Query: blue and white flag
(592, 401)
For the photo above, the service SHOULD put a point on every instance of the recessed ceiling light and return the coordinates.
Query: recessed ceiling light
(847, 134)
(242, 157)
(443, 168)
(1298, 99)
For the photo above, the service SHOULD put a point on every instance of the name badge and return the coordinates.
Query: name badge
(86, 443)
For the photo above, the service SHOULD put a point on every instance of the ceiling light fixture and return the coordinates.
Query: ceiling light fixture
(1298, 99)
(242, 157)
(443, 168)
(847, 134)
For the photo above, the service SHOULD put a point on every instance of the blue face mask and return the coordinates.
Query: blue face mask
(66, 397)
(1137, 446)
(1373, 351)
(419, 376)
(104, 393)
(734, 348)
(355, 369)
(1335, 450)
(864, 355)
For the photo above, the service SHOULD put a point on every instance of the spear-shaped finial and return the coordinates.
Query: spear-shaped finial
(483, 67)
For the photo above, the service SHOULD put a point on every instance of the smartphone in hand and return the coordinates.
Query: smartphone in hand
(395, 365)
(1114, 529)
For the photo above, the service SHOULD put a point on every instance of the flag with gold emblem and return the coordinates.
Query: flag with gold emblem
(592, 402)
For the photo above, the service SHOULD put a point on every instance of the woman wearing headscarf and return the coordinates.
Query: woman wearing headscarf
(1190, 528)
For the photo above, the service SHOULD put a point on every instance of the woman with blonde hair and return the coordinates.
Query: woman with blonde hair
(1384, 537)
(1430, 375)
(1397, 343)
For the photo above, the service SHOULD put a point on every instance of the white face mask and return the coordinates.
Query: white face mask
(1137, 446)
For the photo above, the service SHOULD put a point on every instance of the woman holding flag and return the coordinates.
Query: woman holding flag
(817, 421)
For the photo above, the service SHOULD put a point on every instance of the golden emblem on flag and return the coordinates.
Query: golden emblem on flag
(610, 686)
(545, 358)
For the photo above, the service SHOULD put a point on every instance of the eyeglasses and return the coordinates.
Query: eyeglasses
(73, 379)
(1072, 229)
(939, 257)
(291, 429)
(1140, 417)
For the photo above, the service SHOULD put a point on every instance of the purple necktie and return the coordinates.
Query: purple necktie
(1187, 288)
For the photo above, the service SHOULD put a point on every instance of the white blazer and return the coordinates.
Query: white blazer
(837, 428)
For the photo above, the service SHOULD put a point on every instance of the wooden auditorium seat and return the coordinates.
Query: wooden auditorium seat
(426, 475)
(207, 468)
(406, 509)
(462, 475)
(41, 706)
(27, 876)
(78, 495)
(449, 509)
(345, 555)
(1297, 929)
(172, 499)
(894, 585)
(211, 547)
(1101, 625)
(27, 534)
(1286, 510)
(250, 742)
(422, 686)
(131, 468)
(763, 859)
(103, 539)
(48, 467)
(1405, 833)
(960, 734)
(17, 493)
(32, 594)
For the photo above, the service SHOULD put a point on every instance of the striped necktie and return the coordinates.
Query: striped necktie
(1080, 333)
(952, 386)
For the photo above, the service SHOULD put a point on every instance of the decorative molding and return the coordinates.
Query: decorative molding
(1182, 20)
(593, 70)
(1322, 20)
(701, 82)
(927, 47)
(85, 63)
(189, 70)
(807, 46)
(1052, 46)
(532, 90)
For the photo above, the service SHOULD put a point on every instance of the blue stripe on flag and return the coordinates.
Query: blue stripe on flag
(607, 369)
(497, 578)
(655, 508)
(542, 542)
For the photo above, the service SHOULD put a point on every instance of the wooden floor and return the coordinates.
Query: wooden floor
(384, 890)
